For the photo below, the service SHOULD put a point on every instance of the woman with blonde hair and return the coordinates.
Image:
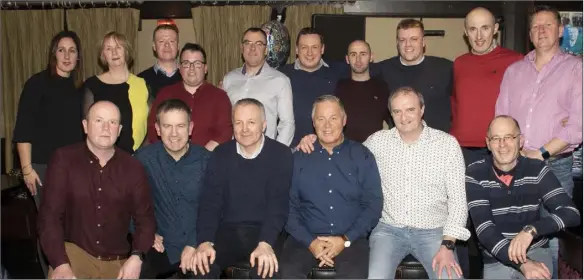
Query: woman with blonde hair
(119, 86)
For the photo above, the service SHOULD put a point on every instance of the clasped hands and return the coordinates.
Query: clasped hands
(326, 248)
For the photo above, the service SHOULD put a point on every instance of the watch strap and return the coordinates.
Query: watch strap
(449, 244)
(544, 153)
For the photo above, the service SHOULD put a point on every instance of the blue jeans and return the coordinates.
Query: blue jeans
(500, 271)
(562, 169)
(389, 245)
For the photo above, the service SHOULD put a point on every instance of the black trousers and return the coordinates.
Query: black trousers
(352, 263)
(157, 266)
(233, 246)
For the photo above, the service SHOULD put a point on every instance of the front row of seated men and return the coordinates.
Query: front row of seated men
(358, 208)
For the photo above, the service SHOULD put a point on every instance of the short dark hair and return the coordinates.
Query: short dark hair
(52, 65)
(250, 101)
(194, 48)
(309, 31)
(167, 26)
(172, 105)
(410, 23)
(255, 30)
(545, 8)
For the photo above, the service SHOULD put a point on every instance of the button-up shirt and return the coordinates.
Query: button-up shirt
(540, 100)
(91, 205)
(159, 69)
(175, 186)
(334, 194)
(423, 182)
(273, 90)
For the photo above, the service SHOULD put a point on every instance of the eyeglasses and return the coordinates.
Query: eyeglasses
(187, 64)
(506, 139)
(258, 44)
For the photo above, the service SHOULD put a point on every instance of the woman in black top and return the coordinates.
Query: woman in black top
(49, 111)
(117, 85)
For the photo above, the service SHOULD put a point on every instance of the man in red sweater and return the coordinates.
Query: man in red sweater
(477, 78)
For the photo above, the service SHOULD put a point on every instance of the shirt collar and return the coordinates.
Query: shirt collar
(321, 63)
(419, 62)
(157, 69)
(255, 154)
(557, 56)
(244, 70)
(421, 139)
(337, 149)
(93, 159)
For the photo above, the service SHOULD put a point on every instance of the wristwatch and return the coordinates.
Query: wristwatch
(140, 255)
(531, 230)
(347, 241)
(544, 153)
(449, 244)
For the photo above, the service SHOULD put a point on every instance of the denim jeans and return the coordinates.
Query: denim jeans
(562, 169)
(389, 245)
(500, 271)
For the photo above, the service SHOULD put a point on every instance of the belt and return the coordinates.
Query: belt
(111, 258)
(560, 156)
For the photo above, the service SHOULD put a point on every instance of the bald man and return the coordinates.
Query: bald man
(93, 189)
(477, 78)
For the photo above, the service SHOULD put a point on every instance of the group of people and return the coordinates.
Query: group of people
(289, 169)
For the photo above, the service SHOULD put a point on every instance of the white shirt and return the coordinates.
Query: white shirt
(252, 156)
(273, 90)
(423, 183)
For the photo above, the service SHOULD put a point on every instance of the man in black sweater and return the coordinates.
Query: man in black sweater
(165, 48)
(244, 201)
(430, 75)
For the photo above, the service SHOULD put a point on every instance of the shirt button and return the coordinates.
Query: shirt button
(330, 191)
(530, 109)
(98, 207)
(331, 207)
(91, 161)
(101, 171)
(329, 158)
(99, 189)
(330, 174)
(527, 126)
(98, 225)
(332, 225)
(97, 242)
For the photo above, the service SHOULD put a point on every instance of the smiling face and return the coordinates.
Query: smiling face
(546, 31)
(359, 56)
(407, 112)
(328, 120)
(174, 128)
(410, 44)
(193, 68)
(480, 29)
(309, 49)
(504, 140)
(248, 125)
(254, 48)
(67, 56)
(113, 53)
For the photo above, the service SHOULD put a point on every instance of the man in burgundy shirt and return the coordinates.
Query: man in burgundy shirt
(93, 189)
(210, 106)
(540, 92)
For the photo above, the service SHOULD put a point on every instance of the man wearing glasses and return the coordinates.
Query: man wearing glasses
(256, 79)
(210, 106)
(505, 193)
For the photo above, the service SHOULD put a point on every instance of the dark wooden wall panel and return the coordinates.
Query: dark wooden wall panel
(339, 31)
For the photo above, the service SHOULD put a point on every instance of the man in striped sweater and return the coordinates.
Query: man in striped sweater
(505, 192)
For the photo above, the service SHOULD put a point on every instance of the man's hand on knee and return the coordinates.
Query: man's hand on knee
(535, 270)
(267, 261)
(63, 271)
(203, 258)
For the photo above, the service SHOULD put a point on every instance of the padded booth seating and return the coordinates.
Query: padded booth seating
(409, 268)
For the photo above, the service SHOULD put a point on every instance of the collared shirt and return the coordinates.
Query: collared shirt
(255, 154)
(539, 101)
(334, 194)
(158, 69)
(175, 186)
(210, 112)
(273, 90)
(321, 63)
(91, 206)
(422, 182)
(499, 212)
(417, 63)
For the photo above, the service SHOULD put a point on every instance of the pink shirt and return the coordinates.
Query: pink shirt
(540, 100)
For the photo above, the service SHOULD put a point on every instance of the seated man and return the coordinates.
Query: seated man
(175, 169)
(244, 201)
(504, 193)
(335, 200)
(92, 190)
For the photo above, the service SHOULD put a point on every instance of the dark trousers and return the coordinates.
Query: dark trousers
(157, 266)
(233, 246)
(469, 255)
(41, 170)
(297, 260)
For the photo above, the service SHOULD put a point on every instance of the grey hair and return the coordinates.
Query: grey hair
(329, 98)
(250, 101)
(404, 91)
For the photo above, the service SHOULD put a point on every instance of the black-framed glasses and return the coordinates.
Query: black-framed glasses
(506, 138)
(187, 64)
(258, 44)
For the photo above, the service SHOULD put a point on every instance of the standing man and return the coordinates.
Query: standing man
(175, 169)
(422, 178)
(505, 193)
(310, 77)
(256, 79)
(210, 106)
(539, 92)
(93, 189)
(335, 200)
(165, 48)
(365, 98)
(244, 203)
(429, 75)
(477, 79)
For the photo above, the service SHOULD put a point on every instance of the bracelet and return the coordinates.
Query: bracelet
(27, 173)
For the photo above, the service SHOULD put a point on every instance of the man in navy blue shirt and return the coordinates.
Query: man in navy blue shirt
(335, 200)
(175, 169)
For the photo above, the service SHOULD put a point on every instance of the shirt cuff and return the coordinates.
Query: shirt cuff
(460, 233)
